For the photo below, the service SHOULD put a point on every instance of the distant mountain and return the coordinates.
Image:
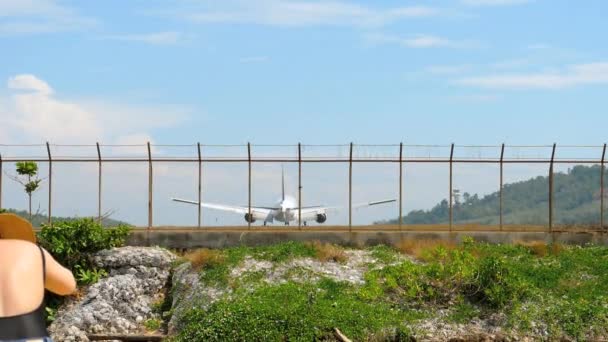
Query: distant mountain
(576, 201)
(38, 219)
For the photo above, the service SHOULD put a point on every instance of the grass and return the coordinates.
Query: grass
(541, 248)
(562, 290)
(292, 312)
(152, 324)
(205, 258)
(215, 265)
(328, 252)
(384, 254)
(419, 248)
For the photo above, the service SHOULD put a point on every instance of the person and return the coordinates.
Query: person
(26, 270)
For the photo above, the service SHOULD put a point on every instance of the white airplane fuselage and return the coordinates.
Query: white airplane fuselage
(287, 211)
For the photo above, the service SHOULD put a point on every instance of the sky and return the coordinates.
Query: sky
(471, 72)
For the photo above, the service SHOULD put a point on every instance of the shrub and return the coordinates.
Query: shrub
(495, 283)
(449, 273)
(73, 242)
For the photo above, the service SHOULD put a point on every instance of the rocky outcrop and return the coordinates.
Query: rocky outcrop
(119, 303)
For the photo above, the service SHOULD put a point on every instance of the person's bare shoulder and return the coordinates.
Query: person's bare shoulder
(18, 248)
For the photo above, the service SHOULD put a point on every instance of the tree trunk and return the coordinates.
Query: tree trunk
(29, 195)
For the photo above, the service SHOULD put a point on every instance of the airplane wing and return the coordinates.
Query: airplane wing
(232, 208)
(318, 209)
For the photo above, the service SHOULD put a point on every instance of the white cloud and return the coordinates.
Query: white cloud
(39, 16)
(157, 38)
(494, 2)
(417, 41)
(33, 113)
(298, 13)
(9, 8)
(576, 75)
(29, 82)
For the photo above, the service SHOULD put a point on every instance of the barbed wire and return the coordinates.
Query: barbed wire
(360, 152)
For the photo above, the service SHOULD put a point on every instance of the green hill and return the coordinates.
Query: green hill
(576, 201)
(39, 219)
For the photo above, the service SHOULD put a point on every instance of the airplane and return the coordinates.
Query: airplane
(286, 210)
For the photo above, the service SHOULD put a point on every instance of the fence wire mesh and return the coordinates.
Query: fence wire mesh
(453, 176)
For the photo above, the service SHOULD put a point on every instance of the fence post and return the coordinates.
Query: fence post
(400, 185)
(602, 170)
(502, 155)
(350, 189)
(48, 150)
(98, 183)
(551, 189)
(200, 183)
(150, 177)
(451, 189)
(299, 186)
(249, 185)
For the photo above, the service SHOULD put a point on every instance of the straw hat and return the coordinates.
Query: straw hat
(15, 227)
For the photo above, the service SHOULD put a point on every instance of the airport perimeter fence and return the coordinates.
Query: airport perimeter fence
(401, 154)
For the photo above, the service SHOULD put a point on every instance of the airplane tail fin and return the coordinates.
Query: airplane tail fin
(283, 182)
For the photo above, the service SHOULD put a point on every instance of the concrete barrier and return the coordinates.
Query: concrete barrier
(188, 239)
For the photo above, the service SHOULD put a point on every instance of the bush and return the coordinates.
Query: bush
(73, 242)
(496, 284)
(289, 312)
(449, 273)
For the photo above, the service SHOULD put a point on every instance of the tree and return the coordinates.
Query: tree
(27, 175)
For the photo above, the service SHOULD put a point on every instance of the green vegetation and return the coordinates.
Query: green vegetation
(89, 276)
(216, 264)
(576, 201)
(562, 290)
(292, 312)
(27, 176)
(72, 243)
(153, 324)
(38, 219)
(565, 288)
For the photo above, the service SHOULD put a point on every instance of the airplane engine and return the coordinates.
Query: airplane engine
(321, 218)
(249, 218)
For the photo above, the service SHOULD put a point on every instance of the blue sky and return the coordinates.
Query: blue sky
(271, 71)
